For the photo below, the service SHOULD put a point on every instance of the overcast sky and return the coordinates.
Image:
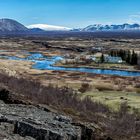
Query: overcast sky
(71, 13)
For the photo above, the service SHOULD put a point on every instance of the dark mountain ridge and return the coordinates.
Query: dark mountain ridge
(9, 25)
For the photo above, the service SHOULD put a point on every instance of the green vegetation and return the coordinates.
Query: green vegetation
(114, 98)
(126, 55)
(102, 59)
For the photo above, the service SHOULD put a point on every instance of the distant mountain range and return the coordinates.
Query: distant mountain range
(12, 26)
(122, 27)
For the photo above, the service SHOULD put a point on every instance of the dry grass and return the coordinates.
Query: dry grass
(104, 87)
(114, 98)
(66, 99)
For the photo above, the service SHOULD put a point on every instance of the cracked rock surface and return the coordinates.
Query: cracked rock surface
(26, 122)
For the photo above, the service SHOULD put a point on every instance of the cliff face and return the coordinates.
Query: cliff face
(27, 122)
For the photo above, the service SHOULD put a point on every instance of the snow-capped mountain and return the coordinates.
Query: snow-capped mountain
(12, 26)
(100, 27)
(47, 27)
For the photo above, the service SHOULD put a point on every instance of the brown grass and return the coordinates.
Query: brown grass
(104, 87)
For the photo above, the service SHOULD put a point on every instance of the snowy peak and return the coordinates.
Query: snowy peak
(47, 27)
(100, 27)
(12, 26)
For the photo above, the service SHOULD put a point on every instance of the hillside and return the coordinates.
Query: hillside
(9, 25)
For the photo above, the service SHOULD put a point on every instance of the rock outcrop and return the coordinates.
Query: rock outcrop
(27, 122)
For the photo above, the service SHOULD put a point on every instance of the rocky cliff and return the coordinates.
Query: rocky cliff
(27, 122)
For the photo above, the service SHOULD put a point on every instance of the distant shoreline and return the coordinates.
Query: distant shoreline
(90, 67)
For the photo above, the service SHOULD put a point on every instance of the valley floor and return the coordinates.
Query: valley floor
(109, 90)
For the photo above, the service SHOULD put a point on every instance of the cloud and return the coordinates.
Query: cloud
(49, 27)
(135, 18)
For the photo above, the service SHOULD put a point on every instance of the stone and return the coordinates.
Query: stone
(27, 121)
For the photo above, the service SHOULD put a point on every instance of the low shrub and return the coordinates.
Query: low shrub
(84, 87)
(137, 86)
(123, 124)
(118, 125)
(137, 90)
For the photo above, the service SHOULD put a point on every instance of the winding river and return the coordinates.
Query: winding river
(47, 63)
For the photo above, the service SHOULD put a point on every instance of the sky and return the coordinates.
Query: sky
(71, 13)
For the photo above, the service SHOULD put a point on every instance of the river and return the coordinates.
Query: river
(42, 62)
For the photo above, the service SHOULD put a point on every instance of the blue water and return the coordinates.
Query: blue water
(47, 63)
